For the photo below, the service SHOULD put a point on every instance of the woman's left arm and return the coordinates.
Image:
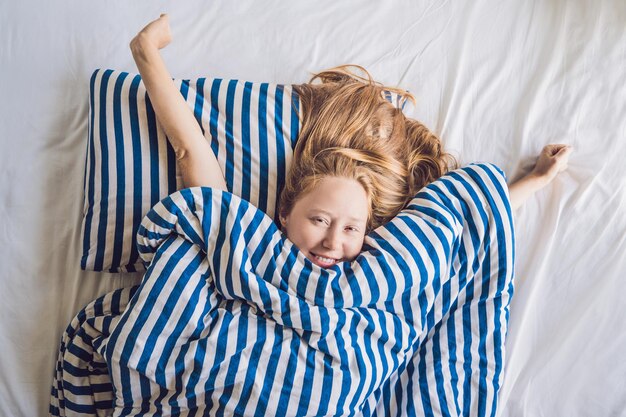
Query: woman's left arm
(552, 160)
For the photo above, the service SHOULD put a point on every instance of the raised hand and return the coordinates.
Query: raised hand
(156, 33)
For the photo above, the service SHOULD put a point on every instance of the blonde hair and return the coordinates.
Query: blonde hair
(348, 129)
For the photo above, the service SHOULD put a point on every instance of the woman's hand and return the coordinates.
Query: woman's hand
(552, 160)
(156, 33)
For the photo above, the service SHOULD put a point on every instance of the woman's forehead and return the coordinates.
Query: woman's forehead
(338, 197)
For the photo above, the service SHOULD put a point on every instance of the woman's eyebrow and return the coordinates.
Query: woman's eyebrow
(329, 214)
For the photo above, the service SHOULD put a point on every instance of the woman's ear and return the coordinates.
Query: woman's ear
(283, 221)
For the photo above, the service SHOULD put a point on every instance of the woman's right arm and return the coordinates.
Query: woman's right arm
(195, 157)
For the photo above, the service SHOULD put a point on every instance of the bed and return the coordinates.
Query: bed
(495, 81)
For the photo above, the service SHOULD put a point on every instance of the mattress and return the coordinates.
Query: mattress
(496, 81)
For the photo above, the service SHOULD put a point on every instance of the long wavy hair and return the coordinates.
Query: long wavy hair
(349, 129)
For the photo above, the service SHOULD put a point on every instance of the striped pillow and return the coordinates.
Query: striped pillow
(130, 166)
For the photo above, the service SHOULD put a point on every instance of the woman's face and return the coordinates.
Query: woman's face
(328, 223)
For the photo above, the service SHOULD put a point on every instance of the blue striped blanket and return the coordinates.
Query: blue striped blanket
(231, 319)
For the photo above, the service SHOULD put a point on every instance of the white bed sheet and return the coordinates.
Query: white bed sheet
(497, 80)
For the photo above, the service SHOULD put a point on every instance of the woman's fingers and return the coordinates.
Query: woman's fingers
(562, 156)
(557, 151)
(158, 32)
(567, 149)
(564, 152)
(552, 159)
(554, 148)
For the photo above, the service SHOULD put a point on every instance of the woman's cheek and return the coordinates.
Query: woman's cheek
(357, 247)
(311, 235)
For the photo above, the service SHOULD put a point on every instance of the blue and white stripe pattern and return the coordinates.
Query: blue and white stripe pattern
(130, 166)
(82, 386)
(457, 369)
(231, 319)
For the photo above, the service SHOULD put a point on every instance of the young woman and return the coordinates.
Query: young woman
(357, 162)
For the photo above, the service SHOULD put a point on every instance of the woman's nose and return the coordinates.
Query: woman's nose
(332, 239)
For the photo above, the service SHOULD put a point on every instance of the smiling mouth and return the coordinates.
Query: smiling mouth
(323, 261)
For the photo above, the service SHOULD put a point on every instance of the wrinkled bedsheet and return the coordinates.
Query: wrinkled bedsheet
(232, 319)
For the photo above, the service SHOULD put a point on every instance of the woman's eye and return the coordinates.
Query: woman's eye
(319, 220)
